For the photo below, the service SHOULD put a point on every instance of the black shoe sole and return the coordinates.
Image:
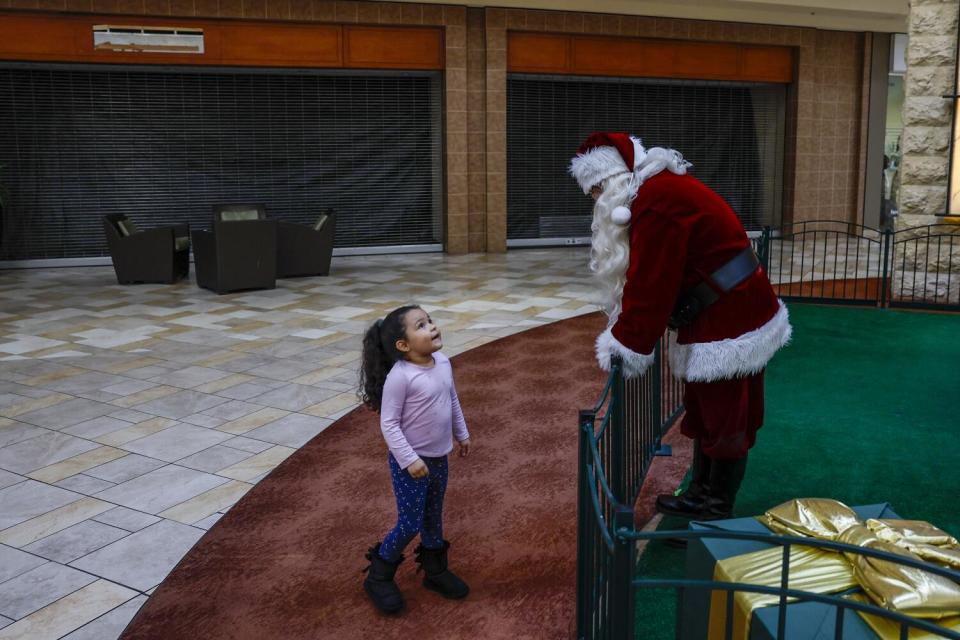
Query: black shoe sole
(689, 515)
(380, 608)
(448, 596)
(689, 510)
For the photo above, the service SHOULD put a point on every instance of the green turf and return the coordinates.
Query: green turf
(862, 407)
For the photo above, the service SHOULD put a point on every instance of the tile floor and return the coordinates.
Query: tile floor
(133, 417)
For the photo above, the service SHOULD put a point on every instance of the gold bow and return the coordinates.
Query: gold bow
(910, 591)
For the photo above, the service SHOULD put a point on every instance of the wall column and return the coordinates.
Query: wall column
(931, 73)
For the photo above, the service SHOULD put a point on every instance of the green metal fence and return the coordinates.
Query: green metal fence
(618, 439)
(925, 267)
(836, 262)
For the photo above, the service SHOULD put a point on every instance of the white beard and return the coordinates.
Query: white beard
(610, 243)
(610, 246)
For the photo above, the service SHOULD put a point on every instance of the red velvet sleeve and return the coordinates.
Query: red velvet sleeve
(658, 251)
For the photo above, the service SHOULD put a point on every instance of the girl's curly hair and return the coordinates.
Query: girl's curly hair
(379, 355)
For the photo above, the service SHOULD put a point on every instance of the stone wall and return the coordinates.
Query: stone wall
(931, 72)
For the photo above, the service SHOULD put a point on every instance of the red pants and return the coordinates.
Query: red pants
(725, 415)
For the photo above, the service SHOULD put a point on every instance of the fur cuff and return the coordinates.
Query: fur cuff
(634, 364)
(732, 358)
(595, 166)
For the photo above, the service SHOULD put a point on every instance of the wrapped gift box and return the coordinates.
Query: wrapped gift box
(804, 620)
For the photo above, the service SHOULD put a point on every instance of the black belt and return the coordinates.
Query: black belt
(691, 303)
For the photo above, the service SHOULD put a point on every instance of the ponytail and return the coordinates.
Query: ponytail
(380, 354)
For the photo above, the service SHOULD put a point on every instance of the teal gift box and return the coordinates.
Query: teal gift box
(804, 620)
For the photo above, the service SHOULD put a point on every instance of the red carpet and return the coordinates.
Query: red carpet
(286, 561)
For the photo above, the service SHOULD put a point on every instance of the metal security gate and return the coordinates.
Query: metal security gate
(162, 145)
(828, 261)
(925, 267)
(838, 262)
(733, 133)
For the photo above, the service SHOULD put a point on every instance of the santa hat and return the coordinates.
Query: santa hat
(603, 155)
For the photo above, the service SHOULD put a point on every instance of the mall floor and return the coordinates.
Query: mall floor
(133, 417)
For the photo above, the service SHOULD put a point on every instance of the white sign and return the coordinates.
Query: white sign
(137, 39)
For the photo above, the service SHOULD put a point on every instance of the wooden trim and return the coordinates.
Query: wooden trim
(59, 38)
(571, 54)
(49, 38)
(281, 45)
(538, 52)
(420, 48)
(767, 63)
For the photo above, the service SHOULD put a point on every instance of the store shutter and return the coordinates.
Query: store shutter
(733, 133)
(162, 145)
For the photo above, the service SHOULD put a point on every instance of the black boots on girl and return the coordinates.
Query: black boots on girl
(379, 584)
(384, 592)
(438, 578)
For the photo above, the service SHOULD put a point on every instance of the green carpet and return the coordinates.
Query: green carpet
(863, 407)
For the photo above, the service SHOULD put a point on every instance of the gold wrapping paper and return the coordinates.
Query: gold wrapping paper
(811, 517)
(910, 591)
(914, 592)
(922, 538)
(890, 630)
(811, 569)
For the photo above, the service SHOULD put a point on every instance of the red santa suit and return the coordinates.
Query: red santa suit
(679, 233)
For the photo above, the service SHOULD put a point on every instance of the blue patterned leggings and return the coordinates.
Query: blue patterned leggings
(419, 508)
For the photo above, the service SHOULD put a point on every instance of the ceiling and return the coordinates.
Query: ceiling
(848, 15)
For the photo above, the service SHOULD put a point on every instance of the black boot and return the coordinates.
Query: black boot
(379, 584)
(438, 578)
(690, 503)
(725, 478)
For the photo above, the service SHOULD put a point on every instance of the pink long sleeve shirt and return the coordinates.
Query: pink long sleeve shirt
(420, 412)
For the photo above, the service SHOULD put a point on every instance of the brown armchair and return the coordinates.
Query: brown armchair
(161, 254)
(305, 250)
(239, 252)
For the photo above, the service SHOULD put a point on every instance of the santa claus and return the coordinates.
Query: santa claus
(669, 251)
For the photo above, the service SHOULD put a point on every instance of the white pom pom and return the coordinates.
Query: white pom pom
(620, 215)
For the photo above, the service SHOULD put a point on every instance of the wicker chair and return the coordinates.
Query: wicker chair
(161, 254)
(239, 252)
(305, 250)
(239, 212)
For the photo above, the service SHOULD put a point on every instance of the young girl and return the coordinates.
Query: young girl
(409, 382)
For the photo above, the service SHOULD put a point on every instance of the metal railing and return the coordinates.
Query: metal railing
(925, 267)
(785, 594)
(618, 439)
(826, 261)
(837, 262)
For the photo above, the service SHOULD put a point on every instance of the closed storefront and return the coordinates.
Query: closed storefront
(733, 133)
(426, 127)
(164, 146)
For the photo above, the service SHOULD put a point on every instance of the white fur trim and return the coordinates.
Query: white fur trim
(657, 159)
(620, 215)
(634, 364)
(596, 165)
(639, 153)
(734, 357)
